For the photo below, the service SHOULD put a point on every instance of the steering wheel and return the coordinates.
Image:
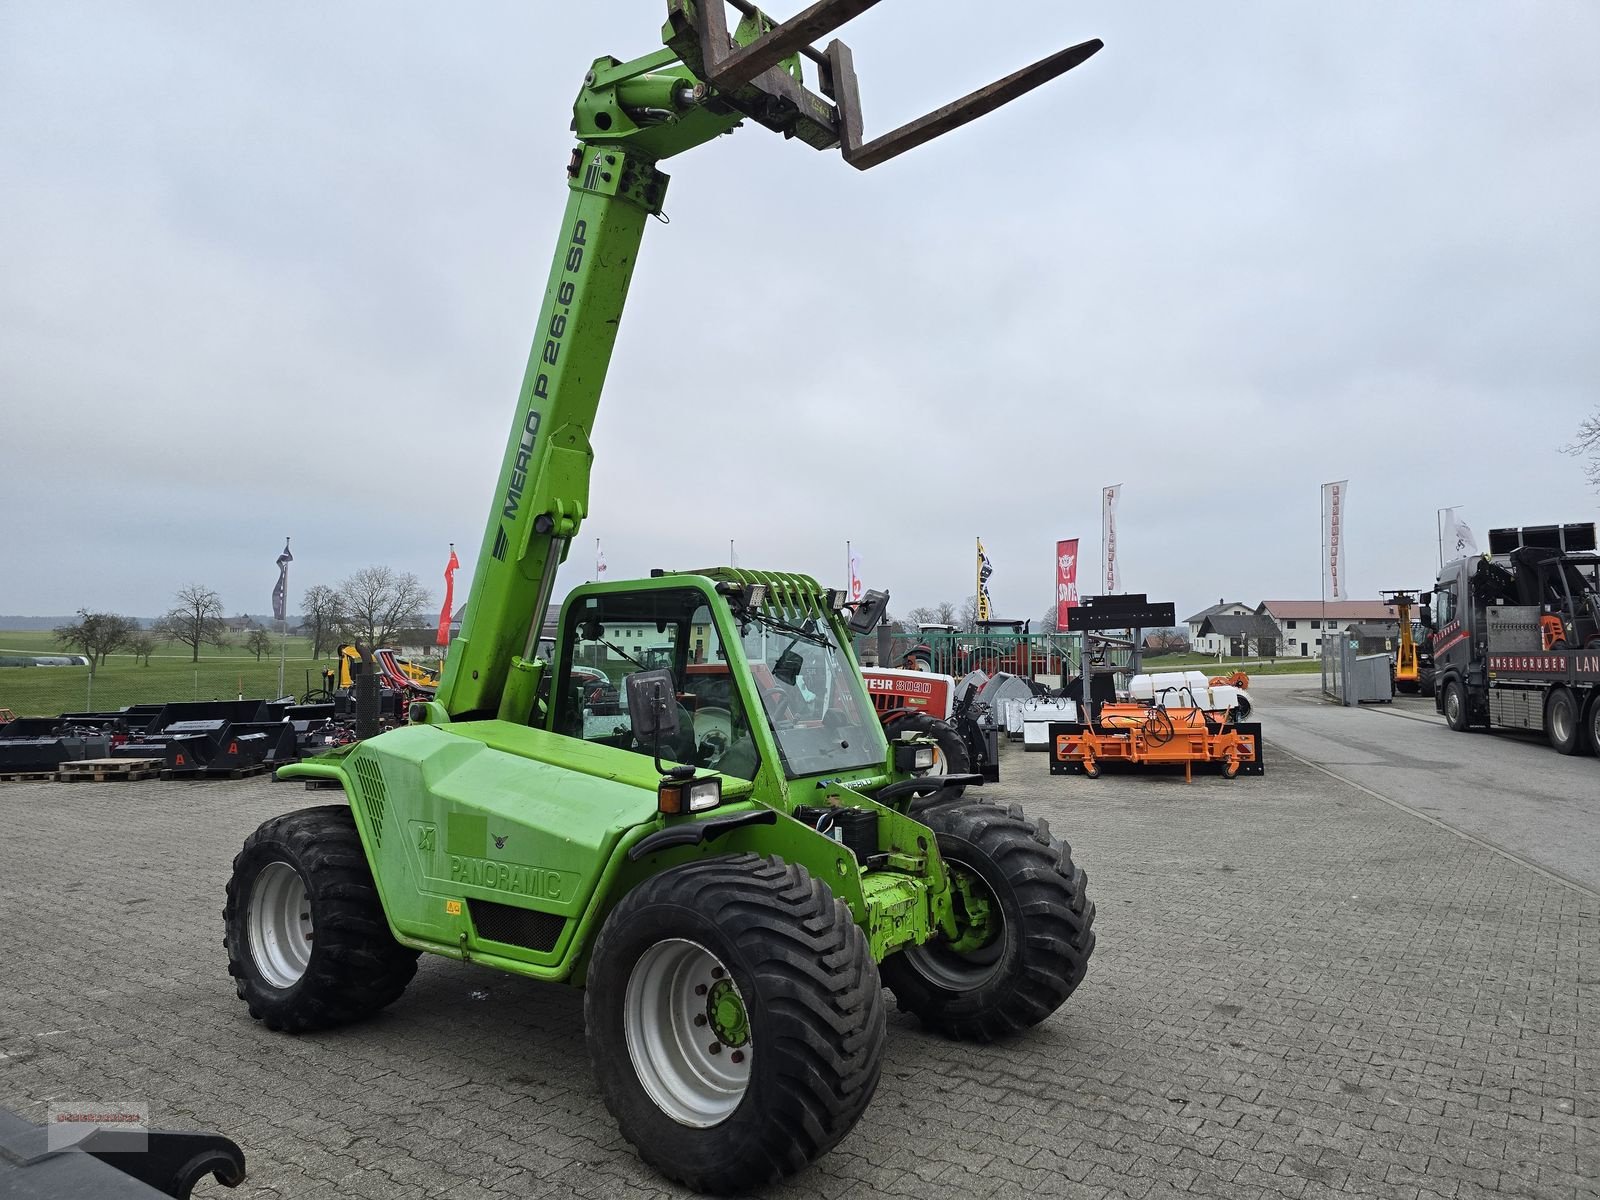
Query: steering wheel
(780, 704)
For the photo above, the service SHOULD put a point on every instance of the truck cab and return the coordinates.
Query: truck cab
(1515, 636)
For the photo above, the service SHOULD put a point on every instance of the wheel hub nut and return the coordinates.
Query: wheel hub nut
(726, 1014)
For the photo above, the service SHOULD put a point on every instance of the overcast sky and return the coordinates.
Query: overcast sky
(274, 269)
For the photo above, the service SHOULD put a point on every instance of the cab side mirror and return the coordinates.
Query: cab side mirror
(1426, 616)
(653, 706)
(869, 613)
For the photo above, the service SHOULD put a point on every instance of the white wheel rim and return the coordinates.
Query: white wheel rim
(280, 925)
(690, 1054)
(1560, 721)
(711, 720)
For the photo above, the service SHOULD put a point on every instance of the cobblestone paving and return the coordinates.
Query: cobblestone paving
(1298, 991)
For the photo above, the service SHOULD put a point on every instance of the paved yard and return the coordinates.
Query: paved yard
(1299, 990)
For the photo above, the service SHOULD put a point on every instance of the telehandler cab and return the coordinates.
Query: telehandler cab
(725, 851)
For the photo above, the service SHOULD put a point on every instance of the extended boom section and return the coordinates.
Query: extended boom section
(628, 116)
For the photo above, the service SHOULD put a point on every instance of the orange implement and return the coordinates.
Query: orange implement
(1238, 679)
(1138, 734)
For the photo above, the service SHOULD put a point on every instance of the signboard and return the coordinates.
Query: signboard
(1120, 612)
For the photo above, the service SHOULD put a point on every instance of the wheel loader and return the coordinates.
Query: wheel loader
(723, 848)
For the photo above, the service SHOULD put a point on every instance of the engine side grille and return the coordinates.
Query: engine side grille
(374, 796)
(516, 926)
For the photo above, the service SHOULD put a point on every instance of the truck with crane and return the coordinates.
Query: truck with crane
(1515, 635)
(736, 859)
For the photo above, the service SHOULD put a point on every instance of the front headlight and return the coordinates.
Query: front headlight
(914, 758)
(678, 796)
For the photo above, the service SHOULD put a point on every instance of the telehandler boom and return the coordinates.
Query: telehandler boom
(690, 808)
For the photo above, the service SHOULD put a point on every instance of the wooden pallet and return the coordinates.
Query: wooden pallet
(25, 776)
(107, 770)
(200, 773)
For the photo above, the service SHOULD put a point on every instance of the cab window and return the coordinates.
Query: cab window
(608, 637)
(1444, 605)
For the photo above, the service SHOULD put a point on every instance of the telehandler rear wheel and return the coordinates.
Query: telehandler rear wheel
(735, 1021)
(308, 944)
(1026, 927)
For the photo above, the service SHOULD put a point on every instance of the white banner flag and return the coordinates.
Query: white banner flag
(1108, 538)
(1460, 535)
(1334, 585)
(856, 590)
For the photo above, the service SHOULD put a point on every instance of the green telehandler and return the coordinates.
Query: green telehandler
(688, 807)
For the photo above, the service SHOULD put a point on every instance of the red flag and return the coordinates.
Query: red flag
(1066, 579)
(449, 598)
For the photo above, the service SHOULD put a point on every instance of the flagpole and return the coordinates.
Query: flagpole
(849, 574)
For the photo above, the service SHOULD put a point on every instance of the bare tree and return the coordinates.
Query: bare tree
(1047, 623)
(319, 608)
(96, 634)
(919, 617)
(375, 604)
(141, 646)
(968, 617)
(947, 613)
(258, 642)
(196, 620)
(1587, 446)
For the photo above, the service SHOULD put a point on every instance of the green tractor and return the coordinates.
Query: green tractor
(720, 845)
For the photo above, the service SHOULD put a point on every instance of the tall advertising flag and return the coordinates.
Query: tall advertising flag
(856, 589)
(985, 569)
(1066, 579)
(443, 638)
(280, 591)
(1109, 581)
(1460, 535)
(1334, 498)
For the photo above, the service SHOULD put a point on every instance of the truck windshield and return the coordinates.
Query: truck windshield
(813, 697)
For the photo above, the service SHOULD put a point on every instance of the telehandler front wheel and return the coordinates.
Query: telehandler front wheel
(735, 1020)
(1026, 927)
(308, 944)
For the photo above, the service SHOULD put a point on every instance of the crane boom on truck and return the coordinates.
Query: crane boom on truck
(714, 837)
(1516, 636)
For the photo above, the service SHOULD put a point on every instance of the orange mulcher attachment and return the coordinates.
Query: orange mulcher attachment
(1551, 631)
(1145, 735)
(1238, 679)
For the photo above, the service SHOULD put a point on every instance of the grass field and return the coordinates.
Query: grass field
(219, 675)
(1211, 665)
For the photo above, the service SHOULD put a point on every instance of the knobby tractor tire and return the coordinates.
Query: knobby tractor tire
(954, 758)
(336, 939)
(805, 1053)
(1035, 957)
(1562, 722)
